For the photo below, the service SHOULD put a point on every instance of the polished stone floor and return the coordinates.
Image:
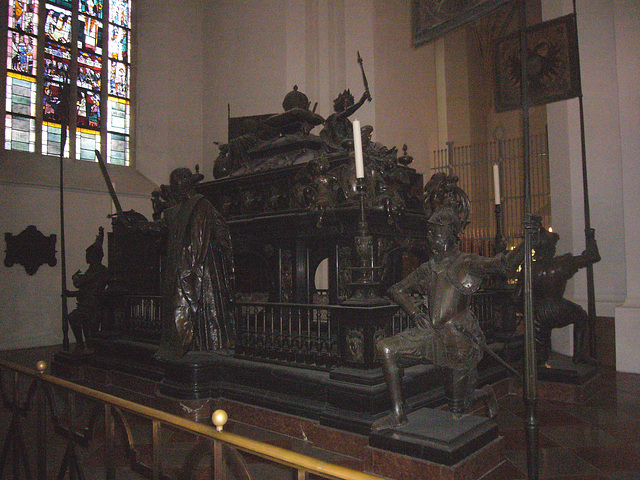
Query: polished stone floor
(595, 439)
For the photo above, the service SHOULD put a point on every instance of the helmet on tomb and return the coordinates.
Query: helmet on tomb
(183, 177)
(95, 249)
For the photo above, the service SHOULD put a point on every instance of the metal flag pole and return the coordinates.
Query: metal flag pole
(64, 122)
(588, 231)
(530, 365)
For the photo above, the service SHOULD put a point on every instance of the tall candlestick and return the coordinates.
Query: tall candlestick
(357, 146)
(496, 183)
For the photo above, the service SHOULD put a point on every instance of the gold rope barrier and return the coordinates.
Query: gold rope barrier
(268, 452)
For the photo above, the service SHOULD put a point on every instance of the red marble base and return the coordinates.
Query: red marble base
(372, 460)
(287, 430)
(567, 392)
(561, 380)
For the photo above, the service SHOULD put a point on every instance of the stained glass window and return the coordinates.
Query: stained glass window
(23, 16)
(85, 61)
(57, 59)
(20, 80)
(91, 7)
(88, 141)
(57, 26)
(21, 53)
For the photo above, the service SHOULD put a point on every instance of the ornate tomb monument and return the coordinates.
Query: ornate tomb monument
(316, 242)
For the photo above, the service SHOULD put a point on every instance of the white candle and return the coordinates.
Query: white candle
(496, 183)
(357, 147)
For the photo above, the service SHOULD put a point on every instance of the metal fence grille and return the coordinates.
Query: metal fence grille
(473, 165)
(289, 333)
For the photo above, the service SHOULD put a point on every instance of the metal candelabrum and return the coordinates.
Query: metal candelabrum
(499, 243)
(365, 275)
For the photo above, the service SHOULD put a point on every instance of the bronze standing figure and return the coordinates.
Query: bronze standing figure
(198, 276)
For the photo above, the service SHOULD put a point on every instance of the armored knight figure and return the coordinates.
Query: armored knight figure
(446, 332)
(84, 320)
(198, 275)
(550, 274)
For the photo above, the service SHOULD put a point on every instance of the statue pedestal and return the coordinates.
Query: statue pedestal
(435, 436)
(363, 449)
(560, 368)
(559, 379)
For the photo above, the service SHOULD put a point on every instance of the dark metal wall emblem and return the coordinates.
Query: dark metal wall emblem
(553, 64)
(431, 19)
(31, 249)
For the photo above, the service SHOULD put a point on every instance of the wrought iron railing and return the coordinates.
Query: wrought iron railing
(145, 313)
(311, 335)
(55, 428)
(288, 332)
(473, 165)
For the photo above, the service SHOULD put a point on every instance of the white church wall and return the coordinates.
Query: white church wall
(405, 76)
(627, 315)
(608, 37)
(244, 67)
(168, 86)
(31, 305)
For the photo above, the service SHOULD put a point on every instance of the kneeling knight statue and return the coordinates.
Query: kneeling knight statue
(446, 332)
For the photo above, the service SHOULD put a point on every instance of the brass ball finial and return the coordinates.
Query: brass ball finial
(41, 366)
(219, 419)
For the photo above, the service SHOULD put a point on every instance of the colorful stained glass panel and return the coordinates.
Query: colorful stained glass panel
(21, 53)
(23, 15)
(91, 7)
(118, 79)
(21, 95)
(88, 109)
(52, 103)
(56, 62)
(89, 71)
(118, 43)
(119, 11)
(66, 4)
(89, 34)
(61, 21)
(58, 24)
